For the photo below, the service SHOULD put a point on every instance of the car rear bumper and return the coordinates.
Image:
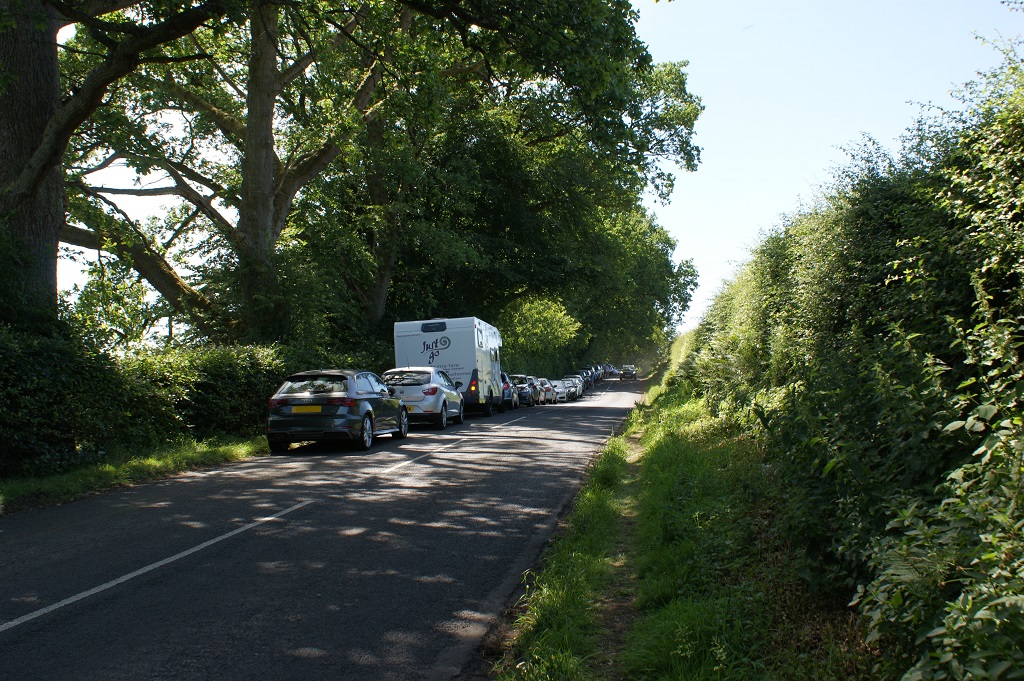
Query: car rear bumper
(331, 429)
(472, 401)
(422, 412)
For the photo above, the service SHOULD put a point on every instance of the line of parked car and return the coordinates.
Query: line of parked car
(358, 406)
(523, 390)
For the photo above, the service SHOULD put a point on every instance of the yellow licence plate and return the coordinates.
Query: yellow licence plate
(306, 409)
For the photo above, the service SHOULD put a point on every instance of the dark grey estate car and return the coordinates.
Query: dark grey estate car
(334, 404)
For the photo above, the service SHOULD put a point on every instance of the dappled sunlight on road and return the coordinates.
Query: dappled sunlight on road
(401, 552)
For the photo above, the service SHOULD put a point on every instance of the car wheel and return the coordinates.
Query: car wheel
(277, 445)
(366, 432)
(403, 425)
(489, 405)
(461, 418)
(442, 418)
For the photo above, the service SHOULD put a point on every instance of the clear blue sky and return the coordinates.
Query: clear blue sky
(786, 85)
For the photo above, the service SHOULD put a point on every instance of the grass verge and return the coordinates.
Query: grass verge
(673, 565)
(560, 630)
(123, 469)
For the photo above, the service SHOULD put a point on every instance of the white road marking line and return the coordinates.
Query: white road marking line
(421, 456)
(441, 449)
(149, 568)
(507, 423)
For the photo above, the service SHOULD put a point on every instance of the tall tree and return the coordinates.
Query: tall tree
(265, 112)
(307, 89)
(36, 124)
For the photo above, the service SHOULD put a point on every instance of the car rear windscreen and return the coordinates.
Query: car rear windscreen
(314, 385)
(407, 377)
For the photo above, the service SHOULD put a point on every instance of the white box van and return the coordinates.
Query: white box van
(466, 348)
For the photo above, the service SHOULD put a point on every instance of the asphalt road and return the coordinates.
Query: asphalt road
(325, 563)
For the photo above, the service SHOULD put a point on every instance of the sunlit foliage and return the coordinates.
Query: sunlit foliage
(873, 341)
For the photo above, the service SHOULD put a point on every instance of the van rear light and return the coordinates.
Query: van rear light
(472, 386)
(430, 391)
(341, 401)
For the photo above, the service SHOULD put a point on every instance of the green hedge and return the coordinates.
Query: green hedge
(60, 400)
(875, 345)
(67, 404)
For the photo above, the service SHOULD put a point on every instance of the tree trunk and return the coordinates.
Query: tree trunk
(384, 241)
(30, 96)
(377, 297)
(263, 314)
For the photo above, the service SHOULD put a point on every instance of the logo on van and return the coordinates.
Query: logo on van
(433, 348)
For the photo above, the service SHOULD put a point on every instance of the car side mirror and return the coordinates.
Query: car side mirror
(392, 391)
(458, 384)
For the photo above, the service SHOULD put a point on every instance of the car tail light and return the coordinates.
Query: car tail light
(275, 403)
(430, 391)
(341, 401)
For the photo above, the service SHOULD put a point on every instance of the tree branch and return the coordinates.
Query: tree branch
(174, 60)
(232, 127)
(344, 33)
(138, 250)
(154, 191)
(453, 11)
(185, 224)
(105, 163)
(90, 13)
(219, 69)
(152, 267)
(203, 203)
(83, 12)
(122, 60)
